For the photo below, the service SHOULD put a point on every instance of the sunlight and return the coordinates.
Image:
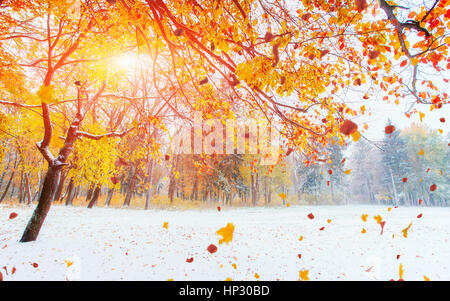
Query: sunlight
(126, 61)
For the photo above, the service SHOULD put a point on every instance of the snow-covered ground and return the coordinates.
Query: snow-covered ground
(119, 244)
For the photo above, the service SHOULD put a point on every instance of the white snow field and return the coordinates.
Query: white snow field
(124, 244)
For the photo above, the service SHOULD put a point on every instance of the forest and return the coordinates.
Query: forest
(100, 102)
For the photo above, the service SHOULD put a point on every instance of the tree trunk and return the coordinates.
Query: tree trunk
(130, 190)
(60, 187)
(109, 197)
(149, 182)
(27, 184)
(69, 192)
(48, 192)
(7, 186)
(95, 196)
(89, 192)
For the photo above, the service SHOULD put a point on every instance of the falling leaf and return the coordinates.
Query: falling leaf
(321, 229)
(348, 127)
(405, 180)
(398, 256)
(356, 136)
(348, 171)
(226, 233)
(378, 218)
(282, 196)
(165, 225)
(1, 276)
(363, 231)
(389, 129)
(35, 265)
(234, 266)
(218, 208)
(12, 215)
(405, 231)
(228, 279)
(256, 276)
(382, 226)
(190, 259)
(420, 202)
(299, 256)
(13, 271)
(212, 248)
(389, 209)
(300, 238)
(425, 278)
(364, 217)
(303, 274)
(288, 204)
(433, 187)
(419, 216)
(329, 221)
(68, 263)
(400, 272)
(311, 216)
(421, 152)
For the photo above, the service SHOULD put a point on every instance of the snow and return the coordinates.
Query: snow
(127, 244)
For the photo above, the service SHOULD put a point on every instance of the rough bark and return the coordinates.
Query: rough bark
(95, 196)
(7, 186)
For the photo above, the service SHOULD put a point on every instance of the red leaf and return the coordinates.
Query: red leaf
(433, 187)
(289, 151)
(299, 256)
(311, 216)
(374, 54)
(218, 208)
(361, 5)
(330, 171)
(12, 215)
(1, 276)
(419, 216)
(442, 119)
(348, 127)
(190, 259)
(420, 202)
(398, 256)
(35, 265)
(382, 226)
(403, 64)
(389, 129)
(212, 248)
(114, 180)
(321, 229)
(405, 180)
(13, 270)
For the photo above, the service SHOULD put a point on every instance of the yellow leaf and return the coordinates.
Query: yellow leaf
(303, 274)
(282, 195)
(165, 225)
(228, 279)
(421, 152)
(364, 217)
(378, 218)
(68, 263)
(356, 135)
(405, 231)
(226, 233)
(234, 266)
(170, 279)
(389, 209)
(329, 221)
(256, 276)
(288, 204)
(45, 93)
(348, 171)
(400, 271)
(414, 61)
(300, 238)
(363, 231)
(425, 278)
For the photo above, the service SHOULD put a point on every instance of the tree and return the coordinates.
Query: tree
(286, 63)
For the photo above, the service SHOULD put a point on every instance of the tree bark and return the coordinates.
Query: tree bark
(95, 196)
(48, 192)
(7, 186)
(70, 192)
(109, 197)
(130, 190)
